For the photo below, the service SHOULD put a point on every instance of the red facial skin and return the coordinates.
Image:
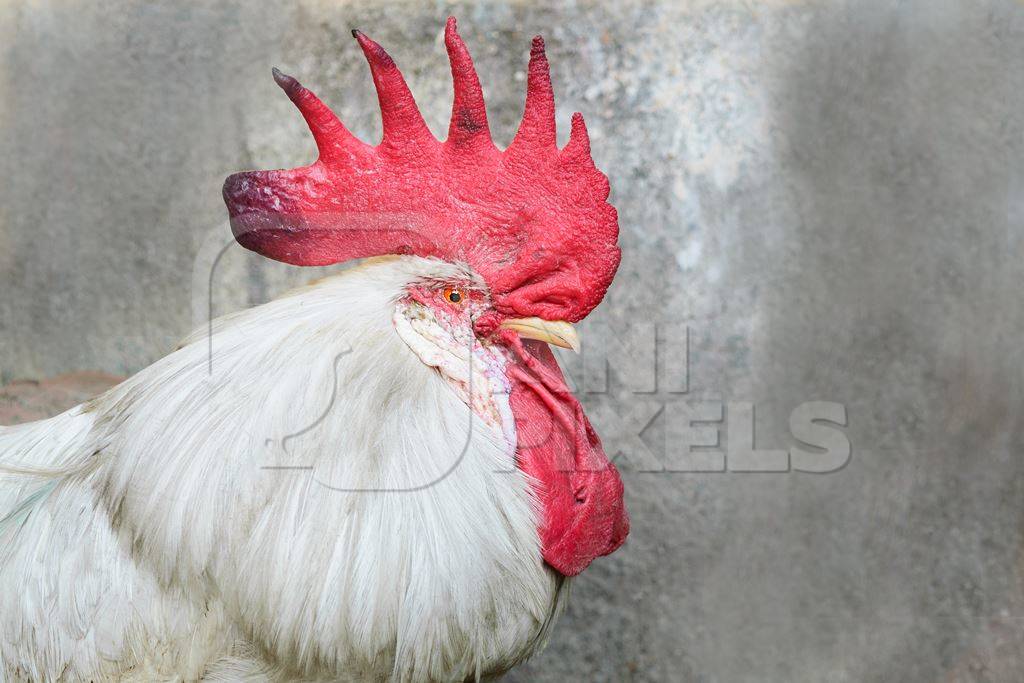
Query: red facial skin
(533, 221)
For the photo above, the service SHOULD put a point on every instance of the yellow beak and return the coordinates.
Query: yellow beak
(556, 332)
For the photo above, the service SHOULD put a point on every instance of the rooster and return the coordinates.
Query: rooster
(380, 476)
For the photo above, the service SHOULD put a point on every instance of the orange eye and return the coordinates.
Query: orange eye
(453, 295)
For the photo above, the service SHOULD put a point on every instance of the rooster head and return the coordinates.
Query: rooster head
(530, 225)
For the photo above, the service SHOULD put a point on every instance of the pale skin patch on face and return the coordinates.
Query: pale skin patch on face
(441, 334)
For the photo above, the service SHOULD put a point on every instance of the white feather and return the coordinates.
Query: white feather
(151, 533)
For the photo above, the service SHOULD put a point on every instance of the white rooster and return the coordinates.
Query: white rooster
(381, 476)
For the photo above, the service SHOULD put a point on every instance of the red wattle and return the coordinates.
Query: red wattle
(579, 488)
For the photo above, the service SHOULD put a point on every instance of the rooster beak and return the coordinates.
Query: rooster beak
(556, 332)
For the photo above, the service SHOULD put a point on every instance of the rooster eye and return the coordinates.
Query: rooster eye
(453, 295)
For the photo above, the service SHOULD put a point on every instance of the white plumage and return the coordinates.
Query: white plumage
(152, 534)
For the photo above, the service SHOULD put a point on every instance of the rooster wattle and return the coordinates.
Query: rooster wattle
(380, 476)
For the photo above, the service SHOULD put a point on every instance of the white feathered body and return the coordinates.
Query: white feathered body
(296, 496)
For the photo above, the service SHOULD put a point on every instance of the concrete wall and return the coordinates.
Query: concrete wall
(829, 195)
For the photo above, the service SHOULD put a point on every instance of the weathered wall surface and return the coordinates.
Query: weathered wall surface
(830, 195)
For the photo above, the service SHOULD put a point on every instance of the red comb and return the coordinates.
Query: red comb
(533, 220)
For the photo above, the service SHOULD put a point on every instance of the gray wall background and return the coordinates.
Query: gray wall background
(829, 194)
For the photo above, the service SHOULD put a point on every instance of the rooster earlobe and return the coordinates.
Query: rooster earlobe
(469, 112)
(400, 116)
(333, 140)
(537, 130)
